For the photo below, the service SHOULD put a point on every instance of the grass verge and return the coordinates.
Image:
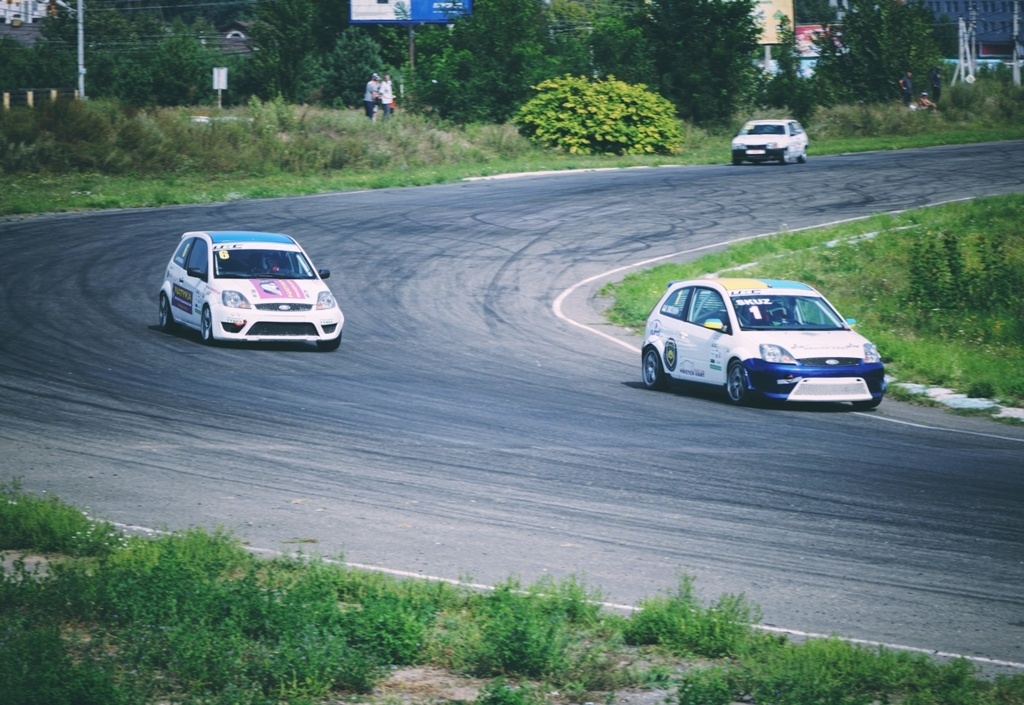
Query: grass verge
(67, 158)
(192, 617)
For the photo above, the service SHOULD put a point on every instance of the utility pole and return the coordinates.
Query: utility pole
(965, 60)
(79, 15)
(81, 50)
(1016, 43)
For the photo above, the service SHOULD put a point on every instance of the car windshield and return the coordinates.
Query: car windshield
(788, 312)
(764, 130)
(249, 264)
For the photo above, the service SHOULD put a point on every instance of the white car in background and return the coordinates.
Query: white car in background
(774, 339)
(248, 286)
(784, 141)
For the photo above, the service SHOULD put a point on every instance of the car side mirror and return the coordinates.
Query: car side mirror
(324, 273)
(197, 273)
(716, 324)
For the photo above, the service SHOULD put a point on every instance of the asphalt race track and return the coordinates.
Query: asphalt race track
(470, 427)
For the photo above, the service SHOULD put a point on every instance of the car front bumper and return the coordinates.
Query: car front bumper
(758, 154)
(807, 383)
(256, 325)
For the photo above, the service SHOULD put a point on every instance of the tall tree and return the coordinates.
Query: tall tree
(619, 44)
(786, 88)
(348, 67)
(862, 59)
(185, 65)
(487, 64)
(285, 60)
(702, 52)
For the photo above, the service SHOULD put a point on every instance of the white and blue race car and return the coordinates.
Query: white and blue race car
(774, 339)
(248, 286)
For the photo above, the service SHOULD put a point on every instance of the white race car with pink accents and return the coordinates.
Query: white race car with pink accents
(249, 286)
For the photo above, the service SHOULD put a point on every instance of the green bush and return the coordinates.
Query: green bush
(835, 672)
(520, 636)
(707, 686)
(581, 116)
(500, 692)
(681, 624)
(48, 524)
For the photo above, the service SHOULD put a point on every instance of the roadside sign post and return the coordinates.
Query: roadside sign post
(220, 82)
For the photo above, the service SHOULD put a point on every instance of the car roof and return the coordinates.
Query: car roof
(745, 285)
(779, 121)
(221, 237)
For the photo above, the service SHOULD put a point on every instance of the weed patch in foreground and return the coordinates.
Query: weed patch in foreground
(192, 617)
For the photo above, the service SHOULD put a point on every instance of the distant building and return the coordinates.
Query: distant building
(20, 20)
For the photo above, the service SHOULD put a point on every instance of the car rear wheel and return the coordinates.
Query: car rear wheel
(206, 326)
(328, 345)
(736, 384)
(166, 317)
(652, 372)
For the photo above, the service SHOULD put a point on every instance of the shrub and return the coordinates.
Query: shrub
(581, 116)
(707, 686)
(500, 692)
(49, 525)
(680, 623)
(519, 635)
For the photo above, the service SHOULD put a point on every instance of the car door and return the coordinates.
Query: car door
(701, 358)
(671, 328)
(798, 139)
(189, 287)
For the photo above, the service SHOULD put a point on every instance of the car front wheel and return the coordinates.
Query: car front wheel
(166, 317)
(652, 372)
(736, 384)
(206, 326)
(869, 405)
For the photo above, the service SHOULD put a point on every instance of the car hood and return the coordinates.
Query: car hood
(759, 139)
(267, 290)
(803, 344)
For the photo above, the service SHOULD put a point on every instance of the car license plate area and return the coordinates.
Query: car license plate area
(271, 329)
(755, 151)
(831, 389)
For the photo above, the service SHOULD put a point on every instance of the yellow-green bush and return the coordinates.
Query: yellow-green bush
(581, 116)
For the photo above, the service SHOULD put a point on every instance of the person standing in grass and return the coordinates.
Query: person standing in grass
(371, 96)
(935, 77)
(387, 96)
(907, 88)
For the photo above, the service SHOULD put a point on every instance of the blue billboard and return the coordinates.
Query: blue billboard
(408, 11)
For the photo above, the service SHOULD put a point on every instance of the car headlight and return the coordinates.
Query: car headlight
(871, 353)
(325, 300)
(234, 299)
(738, 145)
(771, 145)
(777, 354)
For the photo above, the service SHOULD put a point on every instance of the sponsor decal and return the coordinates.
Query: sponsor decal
(716, 355)
(688, 370)
(752, 302)
(277, 289)
(654, 331)
(181, 298)
(671, 355)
